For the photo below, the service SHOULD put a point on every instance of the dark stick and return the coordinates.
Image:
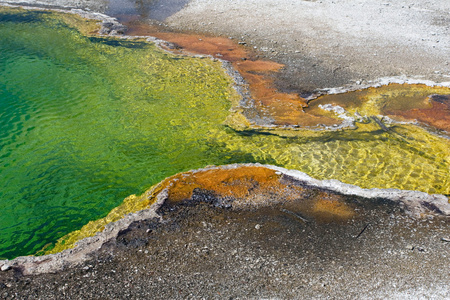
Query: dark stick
(379, 123)
(298, 216)
(362, 231)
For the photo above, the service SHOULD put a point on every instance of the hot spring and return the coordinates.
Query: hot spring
(85, 121)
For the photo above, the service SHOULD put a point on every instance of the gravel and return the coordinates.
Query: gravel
(330, 43)
(203, 251)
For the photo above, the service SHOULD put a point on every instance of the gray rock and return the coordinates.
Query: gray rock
(5, 267)
(410, 247)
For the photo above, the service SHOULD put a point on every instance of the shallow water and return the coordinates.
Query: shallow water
(405, 157)
(86, 121)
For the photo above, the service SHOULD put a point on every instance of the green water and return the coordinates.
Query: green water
(87, 121)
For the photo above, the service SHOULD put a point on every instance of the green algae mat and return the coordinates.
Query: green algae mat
(86, 121)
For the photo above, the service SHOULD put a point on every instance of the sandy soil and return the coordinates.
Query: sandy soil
(202, 252)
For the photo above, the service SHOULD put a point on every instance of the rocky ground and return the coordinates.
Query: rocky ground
(329, 43)
(202, 251)
(284, 238)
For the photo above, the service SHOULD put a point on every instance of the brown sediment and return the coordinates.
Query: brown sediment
(402, 102)
(393, 96)
(331, 206)
(438, 115)
(237, 183)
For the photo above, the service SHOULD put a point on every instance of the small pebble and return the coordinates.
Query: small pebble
(257, 226)
(5, 267)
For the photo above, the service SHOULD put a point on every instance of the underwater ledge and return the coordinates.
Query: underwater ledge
(240, 186)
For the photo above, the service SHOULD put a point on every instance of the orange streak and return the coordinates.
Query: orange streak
(284, 108)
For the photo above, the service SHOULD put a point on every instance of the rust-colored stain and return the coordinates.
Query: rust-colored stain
(237, 183)
(254, 186)
(438, 115)
(283, 108)
(331, 206)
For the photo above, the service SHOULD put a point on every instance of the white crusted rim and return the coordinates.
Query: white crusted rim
(414, 202)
